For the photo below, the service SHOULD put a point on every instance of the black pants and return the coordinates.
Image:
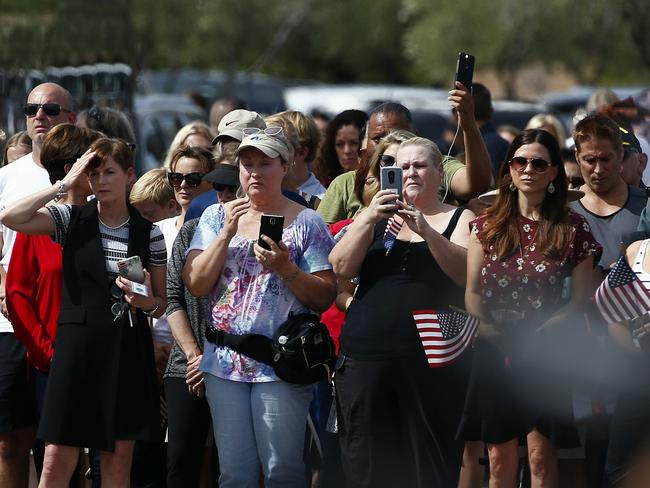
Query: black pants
(188, 423)
(397, 420)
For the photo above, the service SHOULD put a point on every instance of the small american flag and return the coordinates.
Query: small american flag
(622, 296)
(444, 335)
(390, 234)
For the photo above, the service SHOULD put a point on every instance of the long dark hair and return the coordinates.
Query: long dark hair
(555, 229)
(328, 167)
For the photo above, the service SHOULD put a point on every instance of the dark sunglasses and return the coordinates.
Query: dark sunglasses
(386, 160)
(191, 179)
(519, 164)
(119, 306)
(576, 181)
(220, 187)
(95, 113)
(50, 109)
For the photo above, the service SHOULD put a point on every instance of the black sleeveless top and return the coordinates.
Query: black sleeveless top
(379, 323)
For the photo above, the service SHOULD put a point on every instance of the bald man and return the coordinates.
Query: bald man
(47, 105)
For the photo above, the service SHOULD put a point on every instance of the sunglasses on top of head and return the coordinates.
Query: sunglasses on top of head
(191, 179)
(50, 109)
(386, 160)
(519, 164)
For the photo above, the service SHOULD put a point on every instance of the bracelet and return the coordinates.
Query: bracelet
(149, 313)
(61, 190)
(292, 276)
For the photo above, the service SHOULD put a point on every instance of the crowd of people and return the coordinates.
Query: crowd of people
(462, 300)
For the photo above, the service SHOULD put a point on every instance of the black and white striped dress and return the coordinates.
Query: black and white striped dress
(115, 240)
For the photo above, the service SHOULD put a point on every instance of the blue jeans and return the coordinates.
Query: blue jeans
(259, 423)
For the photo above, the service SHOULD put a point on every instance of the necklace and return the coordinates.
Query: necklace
(528, 248)
(116, 227)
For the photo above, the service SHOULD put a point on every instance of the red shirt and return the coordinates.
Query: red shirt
(34, 285)
(334, 318)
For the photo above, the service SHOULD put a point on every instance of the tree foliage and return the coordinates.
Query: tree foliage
(404, 41)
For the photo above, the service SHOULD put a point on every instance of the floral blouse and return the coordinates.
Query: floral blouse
(248, 298)
(527, 281)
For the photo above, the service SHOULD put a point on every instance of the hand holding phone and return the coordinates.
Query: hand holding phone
(465, 69)
(272, 227)
(131, 269)
(391, 179)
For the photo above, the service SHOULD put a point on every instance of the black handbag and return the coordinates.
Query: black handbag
(301, 351)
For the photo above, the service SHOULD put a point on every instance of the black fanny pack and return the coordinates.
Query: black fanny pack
(301, 351)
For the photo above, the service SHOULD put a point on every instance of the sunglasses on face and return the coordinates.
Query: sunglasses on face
(520, 163)
(220, 187)
(191, 179)
(50, 109)
(386, 160)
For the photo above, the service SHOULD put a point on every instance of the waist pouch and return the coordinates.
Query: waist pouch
(301, 351)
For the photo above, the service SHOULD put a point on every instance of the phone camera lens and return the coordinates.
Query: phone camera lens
(391, 177)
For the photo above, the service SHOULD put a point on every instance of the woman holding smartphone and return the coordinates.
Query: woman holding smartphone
(258, 419)
(397, 416)
(102, 391)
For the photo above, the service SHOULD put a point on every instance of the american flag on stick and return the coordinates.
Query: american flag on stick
(445, 335)
(622, 296)
(390, 234)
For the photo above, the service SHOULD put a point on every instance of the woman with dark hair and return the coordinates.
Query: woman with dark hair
(341, 147)
(34, 276)
(527, 252)
(102, 391)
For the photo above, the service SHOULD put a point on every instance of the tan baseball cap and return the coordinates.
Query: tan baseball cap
(233, 122)
(273, 146)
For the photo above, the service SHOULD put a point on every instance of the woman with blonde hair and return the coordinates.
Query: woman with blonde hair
(550, 123)
(195, 133)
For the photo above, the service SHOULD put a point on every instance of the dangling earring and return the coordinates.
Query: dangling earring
(551, 188)
(512, 186)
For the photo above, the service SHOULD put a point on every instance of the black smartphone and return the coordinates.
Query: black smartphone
(271, 226)
(465, 69)
(391, 179)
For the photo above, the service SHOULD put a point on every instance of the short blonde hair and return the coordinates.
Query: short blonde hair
(193, 128)
(288, 129)
(309, 136)
(544, 121)
(152, 187)
(436, 155)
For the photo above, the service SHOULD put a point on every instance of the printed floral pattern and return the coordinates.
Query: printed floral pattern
(536, 288)
(250, 299)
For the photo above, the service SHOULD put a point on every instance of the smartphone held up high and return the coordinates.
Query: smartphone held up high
(465, 69)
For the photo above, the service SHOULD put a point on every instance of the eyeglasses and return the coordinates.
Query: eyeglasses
(520, 163)
(576, 182)
(386, 160)
(50, 109)
(191, 179)
(269, 131)
(220, 187)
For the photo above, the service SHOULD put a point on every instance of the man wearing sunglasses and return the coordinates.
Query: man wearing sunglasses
(47, 105)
